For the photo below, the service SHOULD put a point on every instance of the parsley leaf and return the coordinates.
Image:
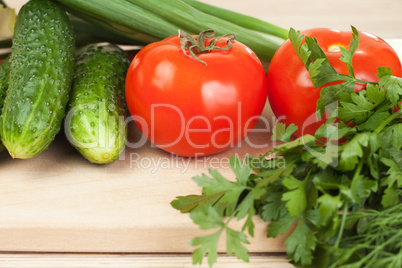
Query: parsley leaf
(208, 245)
(392, 83)
(347, 55)
(234, 241)
(218, 184)
(282, 132)
(320, 70)
(301, 243)
(190, 202)
(275, 208)
(207, 218)
(301, 49)
(375, 94)
(328, 208)
(280, 226)
(241, 170)
(329, 96)
(296, 199)
(353, 151)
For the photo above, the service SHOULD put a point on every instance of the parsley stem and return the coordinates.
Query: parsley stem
(355, 80)
(364, 82)
(388, 120)
(346, 206)
(229, 219)
(345, 212)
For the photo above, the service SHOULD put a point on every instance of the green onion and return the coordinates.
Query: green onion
(240, 19)
(92, 28)
(148, 21)
(180, 13)
(140, 23)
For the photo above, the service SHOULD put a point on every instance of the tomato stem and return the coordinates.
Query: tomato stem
(196, 45)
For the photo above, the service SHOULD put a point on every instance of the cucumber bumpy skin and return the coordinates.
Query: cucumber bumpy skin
(95, 122)
(41, 72)
(4, 76)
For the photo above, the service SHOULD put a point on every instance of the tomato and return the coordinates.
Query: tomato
(291, 93)
(192, 108)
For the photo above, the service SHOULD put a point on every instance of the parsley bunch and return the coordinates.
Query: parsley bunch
(342, 200)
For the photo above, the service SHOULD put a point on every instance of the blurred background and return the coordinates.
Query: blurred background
(379, 17)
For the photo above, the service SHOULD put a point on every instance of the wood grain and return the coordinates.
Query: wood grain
(59, 203)
(134, 261)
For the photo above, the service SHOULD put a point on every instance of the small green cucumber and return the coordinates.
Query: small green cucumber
(4, 75)
(95, 121)
(41, 72)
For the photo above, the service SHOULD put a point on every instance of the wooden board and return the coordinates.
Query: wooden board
(75, 214)
(58, 201)
(135, 261)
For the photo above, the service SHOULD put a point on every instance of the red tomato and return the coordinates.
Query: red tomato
(189, 108)
(291, 93)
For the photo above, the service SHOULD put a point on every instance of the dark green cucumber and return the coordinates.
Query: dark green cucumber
(95, 122)
(41, 72)
(4, 75)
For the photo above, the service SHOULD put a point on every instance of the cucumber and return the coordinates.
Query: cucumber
(95, 121)
(41, 72)
(4, 75)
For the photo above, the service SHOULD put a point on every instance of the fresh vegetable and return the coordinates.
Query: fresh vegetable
(89, 33)
(196, 21)
(142, 24)
(41, 71)
(200, 104)
(95, 122)
(150, 21)
(92, 30)
(340, 201)
(4, 75)
(242, 20)
(292, 95)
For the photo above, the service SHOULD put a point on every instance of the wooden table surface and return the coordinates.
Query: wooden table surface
(57, 210)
